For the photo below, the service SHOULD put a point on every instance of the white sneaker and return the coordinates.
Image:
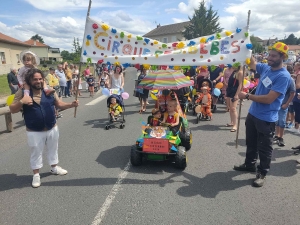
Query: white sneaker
(298, 160)
(58, 171)
(294, 130)
(36, 180)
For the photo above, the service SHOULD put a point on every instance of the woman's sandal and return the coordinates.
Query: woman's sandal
(229, 125)
(233, 130)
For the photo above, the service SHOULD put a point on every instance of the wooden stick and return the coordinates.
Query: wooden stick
(80, 64)
(240, 106)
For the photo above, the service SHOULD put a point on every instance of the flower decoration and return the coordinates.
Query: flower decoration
(84, 52)
(218, 36)
(89, 37)
(210, 38)
(146, 66)
(129, 35)
(203, 40)
(180, 45)
(246, 34)
(89, 60)
(139, 38)
(125, 65)
(249, 46)
(146, 40)
(100, 61)
(114, 31)
(238, 30)
(122, 35)
(228, 33)
(117, 63)
(174, 44)
(191, 43)
(87, 43)
(155, 42)
(95, 26)
(248, 61)
(105, 27)
(164, 46)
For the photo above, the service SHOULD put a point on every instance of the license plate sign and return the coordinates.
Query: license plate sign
(155, 145)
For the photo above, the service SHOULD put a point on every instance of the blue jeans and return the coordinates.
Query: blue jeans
(282, 117)
(67, 89)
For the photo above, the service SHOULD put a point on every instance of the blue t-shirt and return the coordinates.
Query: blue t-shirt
(279, 83)
(291, 88)
(62, 78)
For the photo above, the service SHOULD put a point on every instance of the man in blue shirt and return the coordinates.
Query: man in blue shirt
(62, 80)
(263, 112)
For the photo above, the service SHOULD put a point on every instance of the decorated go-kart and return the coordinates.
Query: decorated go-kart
(158, 144)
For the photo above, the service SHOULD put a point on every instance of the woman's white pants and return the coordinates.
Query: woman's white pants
(37, 142)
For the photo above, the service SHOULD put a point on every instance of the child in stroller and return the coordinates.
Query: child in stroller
(116, 109)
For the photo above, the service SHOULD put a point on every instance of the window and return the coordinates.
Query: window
(173, 39)
(165, 40)
(2, 58)
(18, 58)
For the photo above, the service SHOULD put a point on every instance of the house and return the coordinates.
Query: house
(168, 33)
(45, 52)
(10, 49)
(294, 48)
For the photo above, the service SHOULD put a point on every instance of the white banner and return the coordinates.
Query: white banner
(110, 44)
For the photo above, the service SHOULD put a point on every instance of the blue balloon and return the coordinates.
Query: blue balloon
(217, 92)
(105, 92)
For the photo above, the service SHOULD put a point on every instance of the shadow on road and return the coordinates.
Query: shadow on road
(241, 142)
(115, 157)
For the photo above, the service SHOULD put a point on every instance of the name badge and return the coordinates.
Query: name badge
(266, 82)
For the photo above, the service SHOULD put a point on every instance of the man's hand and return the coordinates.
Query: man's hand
(284, 106)
(75, 103)
(27, 100)
(214, 81)
(242, 95)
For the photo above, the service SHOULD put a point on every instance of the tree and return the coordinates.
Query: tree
(204, 22)
(257, 48)
(37, 37)
(67, 56)
(291, 40)
(77, 50)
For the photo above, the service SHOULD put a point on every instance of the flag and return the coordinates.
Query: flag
(110, 44)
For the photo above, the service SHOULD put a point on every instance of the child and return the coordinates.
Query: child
(171, 116)
(104, 78)
(155, 119)
(30, 60)
(205, 99)
(91, 82)
(114, 109)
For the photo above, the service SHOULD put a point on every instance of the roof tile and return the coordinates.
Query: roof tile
(167, 29)
(8, 39)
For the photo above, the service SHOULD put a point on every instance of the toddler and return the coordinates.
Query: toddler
(91, 81)
(114, 109)
(155, 119)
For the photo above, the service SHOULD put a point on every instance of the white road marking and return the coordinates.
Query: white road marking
(97, 100)
(110, 198)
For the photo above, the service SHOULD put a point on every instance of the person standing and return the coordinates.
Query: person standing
(144, 93)
(41, 128)
(227, 73)
(62, 80)
(216, 73)
(117, 79)
(13, 80)
(296, 100)
(86, 74)
(263, 112)
(283, 111)
(53, 82)
(68, 73)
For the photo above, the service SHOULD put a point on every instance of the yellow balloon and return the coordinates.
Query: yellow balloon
(10, 99)
(153, 96)
(219, 85)
(245, 81)
(194, 92)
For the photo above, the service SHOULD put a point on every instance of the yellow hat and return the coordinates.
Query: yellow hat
(280, 47)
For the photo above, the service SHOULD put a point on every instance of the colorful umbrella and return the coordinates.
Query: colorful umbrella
(165, 79)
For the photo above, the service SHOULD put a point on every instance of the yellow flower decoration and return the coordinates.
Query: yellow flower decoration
(155, 42)
(180, 45)
(105, 27)
(228, 33)
(117, 63)
(87, 43)
(146, 66)
(203, 40)
(129, 35)
(248, 61)
(177, 68)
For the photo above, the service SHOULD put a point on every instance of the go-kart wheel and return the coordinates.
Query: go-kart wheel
(136, 158)
(180, 158)
(122, 126)
(186, 139)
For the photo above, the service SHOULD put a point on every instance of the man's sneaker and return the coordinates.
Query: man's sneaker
(36, 180)
(289, 126)
(294, 130)
(243, 167)
(259, 181)
(280, 142)
(58, 171)
(275, 139)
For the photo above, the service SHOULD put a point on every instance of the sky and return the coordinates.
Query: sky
(59, 21)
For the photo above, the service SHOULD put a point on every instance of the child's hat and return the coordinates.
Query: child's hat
(37, 59)
(155, 111)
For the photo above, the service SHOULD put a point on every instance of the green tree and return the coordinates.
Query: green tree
(291, 40)
(37, 37)
(67, 56)
(257, 48)
(205, 21)
(76, 50)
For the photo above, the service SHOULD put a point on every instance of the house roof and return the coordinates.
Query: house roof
(8, 39)
(294, 47)
(258, 39)
(35, 43)
(167, 29)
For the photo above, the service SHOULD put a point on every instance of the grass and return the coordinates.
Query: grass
(4, 89)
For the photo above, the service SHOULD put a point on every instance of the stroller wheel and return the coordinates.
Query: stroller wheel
(107, 127)
(122, 126)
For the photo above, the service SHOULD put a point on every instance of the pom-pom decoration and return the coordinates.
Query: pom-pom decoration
(125, 65)
(139, 38)
(95, 26)
(177, 68)
(146, 66)
(129, 35)
(87, 43)
(236, 65)
(108, 63)
(218, 35)
(114, 31)
(246, 34)
(155, 42)
(84, 52)
(249, 46)
(248, 61)
(117, 64)
(100, 61)
(174, 44)
(146, 40)
(105, 27)
(89, 60)
(213, 68)
(89, 37)
(203, 40)
(171, 67)
(228, 33)
(238, 30)
(229, 65)
(191, 43)
(122, 35)
(180, 45)
(164, 46)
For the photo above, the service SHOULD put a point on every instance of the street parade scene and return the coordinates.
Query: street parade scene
(170, 112)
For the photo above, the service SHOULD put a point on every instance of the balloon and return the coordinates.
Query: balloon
(106, 92)
(153, 96)
(251, 85)
(10, 99)
(247, 84)
(217, 92)
(125, 95)
(219, 85)
(194, 92)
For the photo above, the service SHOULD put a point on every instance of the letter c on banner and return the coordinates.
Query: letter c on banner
(192, 49)
(99, 34)
(127, 49)
(202, 50)
(237, 46)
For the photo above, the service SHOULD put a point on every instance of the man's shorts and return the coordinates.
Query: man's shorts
(282, 113)
(291, 109)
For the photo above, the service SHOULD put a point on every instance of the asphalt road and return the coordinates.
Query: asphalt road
(103, 188)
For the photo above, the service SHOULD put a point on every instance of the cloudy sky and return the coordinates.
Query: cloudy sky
(59, 21)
